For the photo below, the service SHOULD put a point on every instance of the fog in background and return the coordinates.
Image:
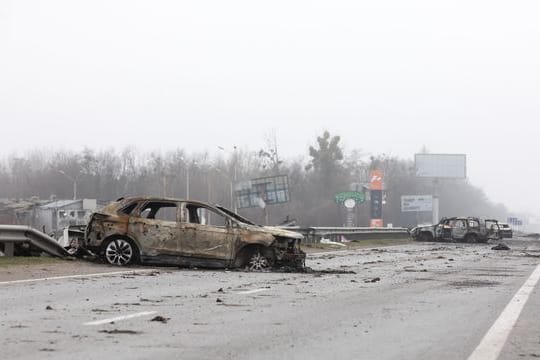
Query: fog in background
(391, 77)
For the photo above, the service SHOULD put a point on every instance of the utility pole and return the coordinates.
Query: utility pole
(74, 180)
(187, 183)
(234, 177)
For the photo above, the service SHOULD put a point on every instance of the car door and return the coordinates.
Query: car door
(459, 229)
(492, 229)
(206, 233)
(443, 229)
(155, 227)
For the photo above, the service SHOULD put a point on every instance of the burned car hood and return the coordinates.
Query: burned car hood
(417, 229)
(423, 227)
(274, 231)
(280, 232)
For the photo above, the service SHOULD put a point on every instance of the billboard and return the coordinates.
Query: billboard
(452, 166)
(263, 191)
(411, 203)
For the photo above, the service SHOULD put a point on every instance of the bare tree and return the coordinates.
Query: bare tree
(107, 175)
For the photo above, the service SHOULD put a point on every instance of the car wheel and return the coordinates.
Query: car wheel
(426, 237)
(258, 261)
(120, 252)
(471, 238)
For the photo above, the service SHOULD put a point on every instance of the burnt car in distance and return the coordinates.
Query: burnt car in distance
(458, 229)
(166, 231)
(505, 231)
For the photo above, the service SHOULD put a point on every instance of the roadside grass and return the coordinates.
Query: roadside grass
(28, 260)
(357, 244)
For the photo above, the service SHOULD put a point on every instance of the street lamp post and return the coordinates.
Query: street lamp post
(74, 180)
(187, 183)
(188, 169)
(233, 180)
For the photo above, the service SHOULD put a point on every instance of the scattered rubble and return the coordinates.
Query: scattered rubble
(333, 243)
(473, 283)
(120, 332)
(501, 246)
(151, 301)
(126, 304)
(161, 319)
(100, 311)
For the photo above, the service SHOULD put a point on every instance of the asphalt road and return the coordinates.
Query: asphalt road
(420, 301)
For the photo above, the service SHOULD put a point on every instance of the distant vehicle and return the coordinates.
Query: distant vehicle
(458, 229)
(505, 231)
(187, 233)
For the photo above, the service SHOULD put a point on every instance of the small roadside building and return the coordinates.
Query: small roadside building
(10, 208)
(56, 215)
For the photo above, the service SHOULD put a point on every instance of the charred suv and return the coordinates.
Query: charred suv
(458, 229)
(187, 233)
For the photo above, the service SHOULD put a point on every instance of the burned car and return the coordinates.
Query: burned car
(187, 233)
(505, 231)
(458, 229)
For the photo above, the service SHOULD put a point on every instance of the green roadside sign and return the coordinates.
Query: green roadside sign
(356, 196)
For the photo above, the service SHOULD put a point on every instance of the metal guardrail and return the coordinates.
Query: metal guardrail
(13, 234)
(10, 235)
(313, 235)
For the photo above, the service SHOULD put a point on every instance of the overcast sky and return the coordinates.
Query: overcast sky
(389, 76)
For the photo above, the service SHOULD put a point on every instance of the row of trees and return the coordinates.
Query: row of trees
(313, 181)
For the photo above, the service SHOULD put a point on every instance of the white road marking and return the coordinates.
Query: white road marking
(77, 276)
(120, 318)
(491, 346)
(254, 291)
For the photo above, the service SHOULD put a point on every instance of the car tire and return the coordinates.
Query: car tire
(259, 260)
(426, 237)
(471, 238)
(120, 252)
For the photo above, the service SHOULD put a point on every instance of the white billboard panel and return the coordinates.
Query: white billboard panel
(262, 191)
(416, 203)
(441, 165)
